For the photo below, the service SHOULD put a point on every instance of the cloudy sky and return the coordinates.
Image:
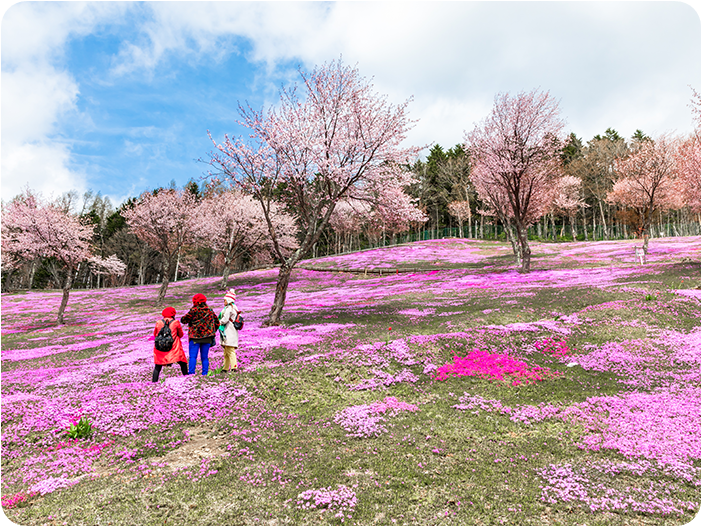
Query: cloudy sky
(118, 97)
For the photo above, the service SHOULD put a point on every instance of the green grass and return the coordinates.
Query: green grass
(436, 466)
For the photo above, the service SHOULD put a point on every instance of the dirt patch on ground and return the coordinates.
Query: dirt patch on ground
(200, 446)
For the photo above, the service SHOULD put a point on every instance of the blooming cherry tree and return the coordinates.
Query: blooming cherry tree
(461, 211)
(110, 266)
(337, 140)
(687, 161)
(165, 221)
(397, 210)
(33, 228)
(515, 154)
(233, 223)
(646, 181)
(568, 199)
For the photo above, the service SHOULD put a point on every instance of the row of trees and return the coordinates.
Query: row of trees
(165, 227)
(327, 166)
(516, 168)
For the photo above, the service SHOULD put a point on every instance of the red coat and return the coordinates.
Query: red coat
(176, 354)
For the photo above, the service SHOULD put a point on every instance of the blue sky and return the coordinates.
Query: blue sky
(117, 97)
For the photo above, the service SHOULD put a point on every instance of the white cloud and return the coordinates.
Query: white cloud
(37, 92)
(593, 56)
(42, 167)
(623, 64)
(34, 97)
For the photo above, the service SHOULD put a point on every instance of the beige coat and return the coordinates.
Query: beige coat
(231, 335)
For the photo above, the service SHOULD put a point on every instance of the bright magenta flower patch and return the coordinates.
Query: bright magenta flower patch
(494, 366)
(549, 346)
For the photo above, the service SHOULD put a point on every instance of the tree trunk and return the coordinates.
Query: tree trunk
(225, 272)
(168, 269)
(175, 276)
(224, 284)
(64, 299)
(8, 278)
(509, 233)
(525, 250)
(31, 273)
(281, 291)
(605, 231)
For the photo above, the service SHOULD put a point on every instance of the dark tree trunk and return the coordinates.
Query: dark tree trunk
(31, 274)
(168, 271)
(8, 280)
(281, 291)
(523, 241)
(64, 298)
(225, 273)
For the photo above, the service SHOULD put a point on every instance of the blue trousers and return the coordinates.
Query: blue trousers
(204, 349)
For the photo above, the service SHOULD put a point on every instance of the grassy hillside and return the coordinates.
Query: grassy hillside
(464, 393)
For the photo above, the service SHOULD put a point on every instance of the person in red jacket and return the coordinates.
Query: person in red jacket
(176, 354)
(202, 325)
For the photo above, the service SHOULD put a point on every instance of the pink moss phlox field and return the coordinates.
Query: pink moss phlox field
(585, 485)
(462, 251)
(494, 366)
(549, 346)
(104, 372)
(342, 499)
(9, 502)
(663, 426)
(384, 379)
(691, 293)
(671, 356)
(364, 420)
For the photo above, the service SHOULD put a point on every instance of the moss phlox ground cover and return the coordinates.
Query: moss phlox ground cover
(436, 395)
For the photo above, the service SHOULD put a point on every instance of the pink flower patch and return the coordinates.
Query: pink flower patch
(494, 366)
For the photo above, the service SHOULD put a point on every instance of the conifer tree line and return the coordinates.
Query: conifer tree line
(326, 173)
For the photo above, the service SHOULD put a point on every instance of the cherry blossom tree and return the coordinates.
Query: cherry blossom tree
(687, 161)
(110, 266)
(338, 139)
(349, 218)
(646, 181)
(233, 223)
(595, 168)
(164, 219)
(396, 210)
(34, 228)
(515, 155)
(568, 199)
(687, 158)
(461, 211)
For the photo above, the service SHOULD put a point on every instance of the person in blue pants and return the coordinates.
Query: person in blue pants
(202, 324)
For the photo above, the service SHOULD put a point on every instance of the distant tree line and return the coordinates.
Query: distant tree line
(582, 211)
(325, 174)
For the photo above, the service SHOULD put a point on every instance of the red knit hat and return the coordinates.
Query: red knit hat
(168, 312)
(199, 299)
(230, 297)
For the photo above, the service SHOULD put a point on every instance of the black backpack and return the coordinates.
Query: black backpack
(238, 322)
(164, 339)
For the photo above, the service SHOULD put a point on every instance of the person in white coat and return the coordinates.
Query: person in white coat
(229, 335)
